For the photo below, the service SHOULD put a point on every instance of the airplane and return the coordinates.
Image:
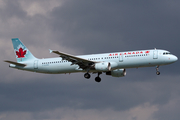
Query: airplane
(113, 64)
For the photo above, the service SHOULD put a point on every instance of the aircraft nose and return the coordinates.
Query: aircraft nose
(174, 58)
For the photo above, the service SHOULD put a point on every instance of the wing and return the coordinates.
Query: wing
(15, 63)
(83, 63)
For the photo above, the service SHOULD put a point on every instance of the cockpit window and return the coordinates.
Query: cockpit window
(166, 53)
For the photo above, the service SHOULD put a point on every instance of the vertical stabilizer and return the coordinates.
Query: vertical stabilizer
(20, 50)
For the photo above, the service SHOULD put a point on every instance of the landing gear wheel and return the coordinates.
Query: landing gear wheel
(157, 70)
(158, 73)
(87, 75)
(98, 79)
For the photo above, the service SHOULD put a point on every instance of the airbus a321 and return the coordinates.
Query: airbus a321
(113, 64)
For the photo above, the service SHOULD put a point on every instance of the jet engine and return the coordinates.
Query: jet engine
(117, 73)
(103, 66)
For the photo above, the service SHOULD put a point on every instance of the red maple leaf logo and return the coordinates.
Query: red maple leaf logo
(147, 52)
(21, 53)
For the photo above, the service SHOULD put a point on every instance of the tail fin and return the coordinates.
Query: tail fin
(20, 50)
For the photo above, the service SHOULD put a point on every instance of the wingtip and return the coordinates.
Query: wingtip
(50, 50)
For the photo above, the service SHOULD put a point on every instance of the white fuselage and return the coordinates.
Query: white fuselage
(120, 60)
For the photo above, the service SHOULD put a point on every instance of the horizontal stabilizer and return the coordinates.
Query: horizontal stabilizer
(15, 63)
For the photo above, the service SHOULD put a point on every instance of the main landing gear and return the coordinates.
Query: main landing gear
(87, 75)
(157, 70)
(97, 79)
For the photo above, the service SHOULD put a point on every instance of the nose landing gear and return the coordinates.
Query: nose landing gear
(157, 70)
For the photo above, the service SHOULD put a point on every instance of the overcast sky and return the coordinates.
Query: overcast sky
(88, 27)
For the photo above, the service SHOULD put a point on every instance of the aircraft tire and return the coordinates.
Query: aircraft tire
(98, 79)
(158, 73)
(87, 75)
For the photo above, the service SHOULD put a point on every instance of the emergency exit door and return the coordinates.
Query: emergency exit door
(155, 54)
(120, 58)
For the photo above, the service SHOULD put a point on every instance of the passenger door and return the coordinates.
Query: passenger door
(36, 64)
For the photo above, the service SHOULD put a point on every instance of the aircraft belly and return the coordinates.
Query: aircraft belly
(134, 62)
(61, 68)
(141, 62)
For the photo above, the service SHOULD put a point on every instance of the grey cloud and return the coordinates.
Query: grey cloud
(118, 24)
(12, 8)
(119, 94)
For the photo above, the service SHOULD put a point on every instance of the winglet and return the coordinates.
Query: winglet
(50, 50)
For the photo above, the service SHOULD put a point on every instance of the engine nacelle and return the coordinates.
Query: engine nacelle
(103, 66)
(117, 73)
